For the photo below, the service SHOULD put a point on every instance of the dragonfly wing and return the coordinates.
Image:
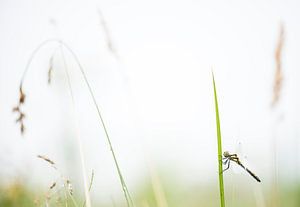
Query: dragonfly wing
(239, 151)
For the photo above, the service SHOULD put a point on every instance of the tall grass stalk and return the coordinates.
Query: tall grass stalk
(159, 192)
(277, 90)
(219, 139)
(102, 123)
(85, 182)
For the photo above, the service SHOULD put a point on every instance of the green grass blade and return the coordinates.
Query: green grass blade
(221, 183)
(102, 123)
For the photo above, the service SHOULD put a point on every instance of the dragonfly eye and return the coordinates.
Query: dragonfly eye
(226, 154)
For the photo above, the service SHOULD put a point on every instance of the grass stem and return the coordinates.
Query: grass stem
(219, 139)
(102, 123)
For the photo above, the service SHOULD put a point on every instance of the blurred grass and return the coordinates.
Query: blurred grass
(178, 195)
(15, 195)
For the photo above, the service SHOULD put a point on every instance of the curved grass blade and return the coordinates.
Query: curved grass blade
(127, 195)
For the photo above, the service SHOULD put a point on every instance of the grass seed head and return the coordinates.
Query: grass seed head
(278, 77)
(18, 110)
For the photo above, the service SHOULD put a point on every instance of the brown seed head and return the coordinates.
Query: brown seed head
(22, 96)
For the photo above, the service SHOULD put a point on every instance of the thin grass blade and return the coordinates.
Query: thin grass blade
(219, 139)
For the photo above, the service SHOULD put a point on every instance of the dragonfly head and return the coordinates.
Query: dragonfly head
(226, 154)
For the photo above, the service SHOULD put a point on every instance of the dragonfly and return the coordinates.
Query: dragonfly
(233, 157)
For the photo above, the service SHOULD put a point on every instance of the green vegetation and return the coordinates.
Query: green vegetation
(152, 191)
(221, 182)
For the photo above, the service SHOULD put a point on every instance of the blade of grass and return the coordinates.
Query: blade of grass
(79, 138)
(102, 123)
(124, 186)
(159, 193)
(90, 187)
(221, 183)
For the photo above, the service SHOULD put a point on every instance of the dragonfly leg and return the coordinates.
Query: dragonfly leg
(227, 166)
(226, 160)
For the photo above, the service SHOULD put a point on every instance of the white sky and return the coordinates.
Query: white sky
(157, 100)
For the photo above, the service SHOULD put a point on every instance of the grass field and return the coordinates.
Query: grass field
(77, 183)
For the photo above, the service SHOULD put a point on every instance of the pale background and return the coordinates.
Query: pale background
(157, 98)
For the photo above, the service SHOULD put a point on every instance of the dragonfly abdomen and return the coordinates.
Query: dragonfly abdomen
(253, 175)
